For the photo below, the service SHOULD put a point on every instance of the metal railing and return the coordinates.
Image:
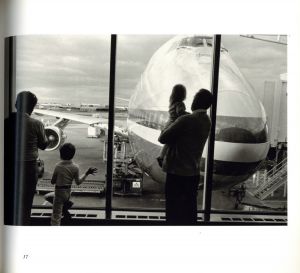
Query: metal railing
(88, 186)
(272, 180)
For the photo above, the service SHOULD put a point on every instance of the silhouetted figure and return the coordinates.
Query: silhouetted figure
(186, 138)
(23, 137)
(64, 173)
(176, 109)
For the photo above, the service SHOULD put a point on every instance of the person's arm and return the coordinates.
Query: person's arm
(54, 177)
(180, 109)
(176, 129)
(79, 180)
(42, 139)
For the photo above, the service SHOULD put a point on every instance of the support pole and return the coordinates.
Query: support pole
(110, 136)
(207, 193)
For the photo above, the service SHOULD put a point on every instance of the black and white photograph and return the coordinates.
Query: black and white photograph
(146, 130)
(149, 136)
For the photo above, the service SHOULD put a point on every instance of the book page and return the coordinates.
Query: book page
(1, 122)
(159, 248)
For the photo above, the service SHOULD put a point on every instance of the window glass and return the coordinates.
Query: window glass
(249, 174)
(70, 77)
(148, 67)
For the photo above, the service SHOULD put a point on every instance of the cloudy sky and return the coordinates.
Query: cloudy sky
(75, 69)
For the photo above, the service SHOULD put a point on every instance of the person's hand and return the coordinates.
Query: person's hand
(91, 170)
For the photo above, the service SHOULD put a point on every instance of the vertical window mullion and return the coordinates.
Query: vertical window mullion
(207, 194)
(10, 73)
(10, 197)
(111, 117)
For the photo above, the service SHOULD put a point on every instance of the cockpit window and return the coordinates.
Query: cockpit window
(191, 42)
(197, 41)
(209, 43)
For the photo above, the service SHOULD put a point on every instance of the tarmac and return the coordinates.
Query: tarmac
(89, 153)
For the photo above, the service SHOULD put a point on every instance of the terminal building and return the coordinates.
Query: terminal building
(272, 179)
(275, 103)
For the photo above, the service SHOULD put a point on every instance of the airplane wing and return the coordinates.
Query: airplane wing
(82, 119)
(123, 99)
(65, 117)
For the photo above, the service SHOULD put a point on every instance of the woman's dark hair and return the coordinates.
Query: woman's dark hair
(202, 100)
(67, 151)
(25, 102)
(178, 94)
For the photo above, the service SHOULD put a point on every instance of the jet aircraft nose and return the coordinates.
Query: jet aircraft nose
(240, 118)
(241, 131)
(239, 103)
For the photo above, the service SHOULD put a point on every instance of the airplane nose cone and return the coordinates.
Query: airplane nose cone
(240, 118)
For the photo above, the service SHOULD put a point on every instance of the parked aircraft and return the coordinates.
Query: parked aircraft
(241, 130)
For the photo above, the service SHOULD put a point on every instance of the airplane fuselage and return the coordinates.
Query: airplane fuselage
(241, 142)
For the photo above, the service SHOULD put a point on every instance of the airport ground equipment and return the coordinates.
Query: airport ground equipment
(88, 186)
(94, 132)
(239, 193)
(272, 180)
(127, 176)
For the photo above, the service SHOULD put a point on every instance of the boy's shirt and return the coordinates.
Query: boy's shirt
(64, 173)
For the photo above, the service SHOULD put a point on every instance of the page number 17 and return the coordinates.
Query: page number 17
(25, 256)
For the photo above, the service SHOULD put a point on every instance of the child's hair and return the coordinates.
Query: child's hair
(178, 94)
(67, 151)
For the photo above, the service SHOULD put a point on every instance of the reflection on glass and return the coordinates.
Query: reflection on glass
(248, 174)
(70, 77)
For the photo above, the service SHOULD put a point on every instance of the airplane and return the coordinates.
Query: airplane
(49, 105)
(87, 107)
(241, 142)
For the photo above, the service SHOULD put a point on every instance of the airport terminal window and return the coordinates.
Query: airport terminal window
(144, 81)
(70, 77)
(249, 176)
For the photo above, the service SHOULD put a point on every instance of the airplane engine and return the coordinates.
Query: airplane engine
(55, 136)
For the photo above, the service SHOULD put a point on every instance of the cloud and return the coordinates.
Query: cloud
(257, 60)
(75, 69)
(68, 68)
